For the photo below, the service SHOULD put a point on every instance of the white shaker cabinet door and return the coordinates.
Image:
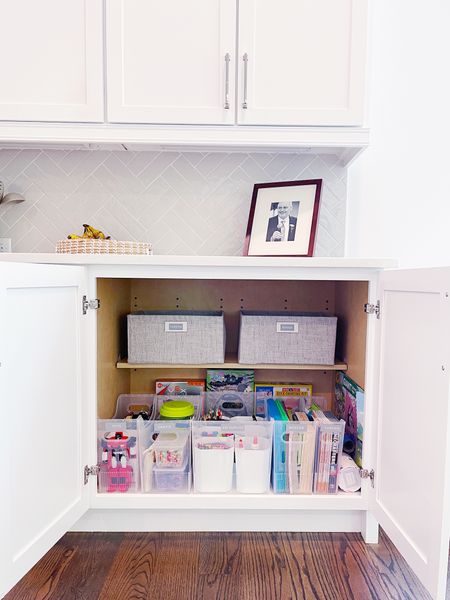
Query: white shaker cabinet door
(51, 60)
(171, 61)
(44, 411)
(411, 499)
(301, 62)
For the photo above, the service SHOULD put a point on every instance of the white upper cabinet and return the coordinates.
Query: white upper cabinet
(51, 58)
(298, 62)
(301, 62)
(171, 61)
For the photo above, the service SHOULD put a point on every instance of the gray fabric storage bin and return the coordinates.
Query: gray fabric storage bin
(184, 337)
(287, 338)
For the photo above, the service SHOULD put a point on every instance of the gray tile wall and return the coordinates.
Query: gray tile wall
(183, 203)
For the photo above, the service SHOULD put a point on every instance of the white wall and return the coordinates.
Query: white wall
(399, 189)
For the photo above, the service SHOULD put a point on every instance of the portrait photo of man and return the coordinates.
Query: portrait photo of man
(282, 226)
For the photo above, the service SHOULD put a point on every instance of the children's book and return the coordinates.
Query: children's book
(350, 407)
(236, 380)
(278, 390)
(186, 387)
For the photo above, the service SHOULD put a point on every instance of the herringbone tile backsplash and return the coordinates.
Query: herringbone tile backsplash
(183, 203)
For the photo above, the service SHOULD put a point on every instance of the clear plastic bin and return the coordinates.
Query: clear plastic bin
(230, 404)
(133, 404)
(294, 452)
(118, 444)
(174, 480)
(165, 452)
(330, 438)
(292, 404)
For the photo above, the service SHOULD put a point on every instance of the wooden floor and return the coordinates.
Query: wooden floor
(231, 566)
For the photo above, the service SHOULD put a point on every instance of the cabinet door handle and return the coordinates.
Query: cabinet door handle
(245, 59)
(227, 81)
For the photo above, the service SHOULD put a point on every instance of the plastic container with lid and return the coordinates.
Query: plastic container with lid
(176, 410)
(171, 448)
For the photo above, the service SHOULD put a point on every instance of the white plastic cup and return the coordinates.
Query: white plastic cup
(213, 465)
(252, 465)
(349, 476)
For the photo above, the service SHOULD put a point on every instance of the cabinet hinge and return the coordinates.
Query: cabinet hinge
(93, 470)
(366, 474)
(373, 309)
(90, 304)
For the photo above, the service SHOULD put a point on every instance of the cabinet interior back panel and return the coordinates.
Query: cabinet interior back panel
(231, 297)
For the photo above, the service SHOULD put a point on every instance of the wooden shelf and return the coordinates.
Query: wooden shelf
(231, 363)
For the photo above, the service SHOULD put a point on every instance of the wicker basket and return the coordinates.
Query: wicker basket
(93, 246)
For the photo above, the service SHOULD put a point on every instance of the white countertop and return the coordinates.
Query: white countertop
(209, 261)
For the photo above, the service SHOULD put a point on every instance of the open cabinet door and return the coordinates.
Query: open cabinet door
(411, 496)
(42, 492)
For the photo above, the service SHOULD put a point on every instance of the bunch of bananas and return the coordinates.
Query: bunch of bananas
(89, 233)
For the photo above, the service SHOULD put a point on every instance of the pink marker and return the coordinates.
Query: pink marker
(255, 443)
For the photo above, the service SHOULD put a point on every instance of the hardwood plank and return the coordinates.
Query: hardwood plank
(219, 554)
(217, 587)
(266, 569)
(176, 567)
(133, 568)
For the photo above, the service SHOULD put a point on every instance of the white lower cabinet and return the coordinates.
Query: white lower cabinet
(65, 370)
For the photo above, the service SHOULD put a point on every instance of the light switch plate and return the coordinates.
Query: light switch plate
(5, 244)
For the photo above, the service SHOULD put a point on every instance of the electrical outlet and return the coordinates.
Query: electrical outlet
(5, 244)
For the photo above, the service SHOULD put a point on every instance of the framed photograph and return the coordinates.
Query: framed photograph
(283, 218)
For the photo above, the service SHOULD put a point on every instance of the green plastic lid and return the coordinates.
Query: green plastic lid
(176, 409)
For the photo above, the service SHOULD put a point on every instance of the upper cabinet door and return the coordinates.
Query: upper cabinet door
(412, 475)
(302, 62)
(171, 61)
(51, 58)
(45, 437)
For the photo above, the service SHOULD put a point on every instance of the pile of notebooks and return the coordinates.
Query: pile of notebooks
(307, 447)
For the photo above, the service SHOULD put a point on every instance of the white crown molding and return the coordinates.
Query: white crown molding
(344, 142)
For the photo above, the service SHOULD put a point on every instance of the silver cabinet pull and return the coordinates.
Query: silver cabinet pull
(245, 59)
(227, 81)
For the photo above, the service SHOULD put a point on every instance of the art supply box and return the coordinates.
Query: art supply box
(131, 405)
